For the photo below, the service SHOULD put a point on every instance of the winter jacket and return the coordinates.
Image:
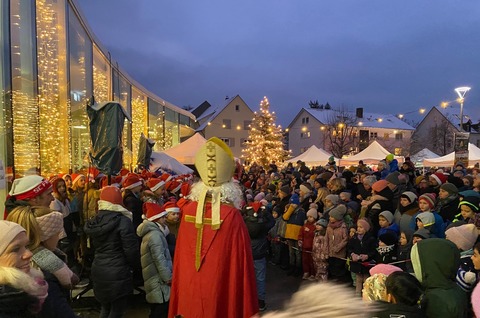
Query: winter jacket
(258, 227)
(295, 217)
(56, 305)
(378, 205)
(307, 232)
(437, 229)
(447, 208)
(358, 246)
(116, 252)
(391, 228)
(156, 263)
(337, 239)
(435, 262)
(16, 288)
(134, 205)
(320, 248)
(403, 217)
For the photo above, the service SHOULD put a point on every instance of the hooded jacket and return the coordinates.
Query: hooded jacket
(435, 262)
(116, 253)
(156, 262)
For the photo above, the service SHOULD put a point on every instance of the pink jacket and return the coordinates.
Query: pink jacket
(337, 239)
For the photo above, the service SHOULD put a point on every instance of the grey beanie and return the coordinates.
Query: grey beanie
(393, 178)
(338, 212)
(333, 197)
(388, 216)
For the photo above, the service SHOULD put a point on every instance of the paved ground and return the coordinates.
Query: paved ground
(279, 289)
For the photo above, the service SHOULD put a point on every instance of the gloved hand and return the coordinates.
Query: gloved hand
(354, 257)
(363, 257)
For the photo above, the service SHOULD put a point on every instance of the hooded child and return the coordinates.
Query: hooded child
(426, 203)
(407, 208)
(320, 251)
(305, 242)
(337, 239)
(387, 223)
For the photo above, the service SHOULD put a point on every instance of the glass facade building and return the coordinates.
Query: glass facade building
(50, 64)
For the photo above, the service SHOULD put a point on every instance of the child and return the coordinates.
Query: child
(387, 248)
(420, 234)
(404, 248)
(320, 251)
(426, 220)
(464, 237)
(407, 208)
(305, 241)
(155, 258)
(331, 201)
(469, 210)
(387, 223)
(426, 203)
(274, 237)
(337, 239)
(361, 248)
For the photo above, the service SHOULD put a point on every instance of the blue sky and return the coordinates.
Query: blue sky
(385, 56)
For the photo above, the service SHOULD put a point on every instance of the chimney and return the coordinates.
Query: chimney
(359, 112)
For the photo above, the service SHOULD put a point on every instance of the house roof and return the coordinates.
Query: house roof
(212, 112)
(371, 120)
(200, 109)
(453, 116)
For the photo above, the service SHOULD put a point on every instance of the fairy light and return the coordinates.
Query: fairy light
(265, 139)
(54, 115)
(139, 122)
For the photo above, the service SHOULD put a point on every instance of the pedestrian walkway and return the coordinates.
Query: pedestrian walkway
(279, 289)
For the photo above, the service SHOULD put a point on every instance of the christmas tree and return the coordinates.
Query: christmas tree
(265, 139)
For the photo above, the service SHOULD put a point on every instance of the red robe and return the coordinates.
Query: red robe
(224, 285)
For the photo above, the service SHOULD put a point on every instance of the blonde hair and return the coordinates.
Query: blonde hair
(338, 184)
(25, 216)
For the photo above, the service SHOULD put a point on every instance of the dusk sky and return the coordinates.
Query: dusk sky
(385, 56)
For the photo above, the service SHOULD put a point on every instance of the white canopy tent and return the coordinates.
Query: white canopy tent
(425, 153)
(160, 160)
(185, 152)
(370, 155)
(448, 160)
(313, 156)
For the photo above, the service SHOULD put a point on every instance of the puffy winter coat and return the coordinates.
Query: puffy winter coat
(116, 253)
(156, 262)
(366, 246)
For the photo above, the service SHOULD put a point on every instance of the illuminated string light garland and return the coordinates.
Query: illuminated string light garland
(139, 122)
(265, 139)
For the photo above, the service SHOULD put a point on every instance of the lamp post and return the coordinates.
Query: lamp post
(461, 91)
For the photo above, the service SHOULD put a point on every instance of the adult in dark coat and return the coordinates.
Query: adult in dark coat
(116, 252)
(381, 201)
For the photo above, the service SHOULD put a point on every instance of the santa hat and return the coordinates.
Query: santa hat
(184, 189)
(114, 180)
(111, 194)
(439, 177)
(51, 224)
(173, 186)
(153, 211)
(171, 207)
(166, 177)
(429, 198)
(94, 173)
(131, 182)
(76, 177)
(464, 236)
(155, 183)
(8, 231)
(29, 187)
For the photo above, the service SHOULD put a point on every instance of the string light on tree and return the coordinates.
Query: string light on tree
(265, 139)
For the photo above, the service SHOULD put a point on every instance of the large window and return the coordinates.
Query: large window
(24, 87)
(139, 120)
(156, 125)
(80, 48)
(6, 158)
(171, 128)
(52, 87)
(101, 77)
(122, 92)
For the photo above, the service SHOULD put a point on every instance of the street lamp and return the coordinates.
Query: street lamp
(461, 91)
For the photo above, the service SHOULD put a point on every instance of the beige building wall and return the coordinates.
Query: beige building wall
(231, 125)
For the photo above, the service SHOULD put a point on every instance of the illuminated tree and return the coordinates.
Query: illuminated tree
(265, 139)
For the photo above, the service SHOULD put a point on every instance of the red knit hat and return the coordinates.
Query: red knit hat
(429, 198)
(155, 183)
(29, 187)
(439, 177)
(111, 194)
(132, 181)
(379, 185)
(153, 211)
(171, 207)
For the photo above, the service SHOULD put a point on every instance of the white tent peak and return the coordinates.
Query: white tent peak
(313, 156)
(370, 155)
(448, 160)
(185, 152)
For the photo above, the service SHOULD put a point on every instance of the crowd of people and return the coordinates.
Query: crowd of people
(407, 242)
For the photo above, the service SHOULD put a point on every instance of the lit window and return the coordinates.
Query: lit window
(398, 151)
(373, 135)
(246, 124)
(305, 135)
(398, 136)
(229, 141)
